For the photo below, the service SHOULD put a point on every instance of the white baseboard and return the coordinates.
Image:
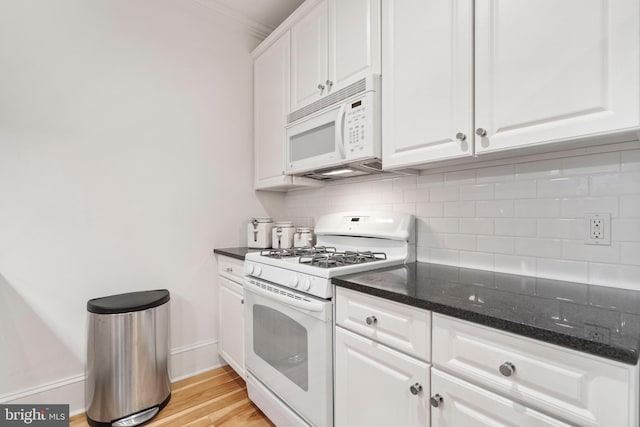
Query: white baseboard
(184, 362)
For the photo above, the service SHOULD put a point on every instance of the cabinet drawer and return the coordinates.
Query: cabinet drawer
(464, 404)
(231, 268)
(399, 326)
(574, 386)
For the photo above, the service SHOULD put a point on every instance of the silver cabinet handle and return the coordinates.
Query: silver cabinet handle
(229, 270)
(371, 320)
(242, 301)
(481, 132)
(320, 86)
(329, 83)
(461, 136)
(507, 369)
(415, 389)
(436, 400)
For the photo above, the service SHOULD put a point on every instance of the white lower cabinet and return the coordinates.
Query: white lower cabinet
(231, 309)
(458, 403)
(375, 385)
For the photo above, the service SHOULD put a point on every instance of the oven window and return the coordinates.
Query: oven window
(282, 343)
(314, 142)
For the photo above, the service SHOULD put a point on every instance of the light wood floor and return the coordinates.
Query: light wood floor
(214, 398)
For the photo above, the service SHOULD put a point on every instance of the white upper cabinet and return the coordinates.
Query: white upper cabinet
(271, 102)
(427, 81)
(550, 70)
(335, 43)
(503, 74)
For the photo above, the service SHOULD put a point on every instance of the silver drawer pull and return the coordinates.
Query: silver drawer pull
(229, 270)
(415, 389)
(507, 369)
(371, 320)
(436, 400)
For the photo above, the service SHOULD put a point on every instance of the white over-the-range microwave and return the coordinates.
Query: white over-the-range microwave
(337, 136)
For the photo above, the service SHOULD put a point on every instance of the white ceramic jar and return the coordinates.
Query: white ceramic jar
(303, 237)
(259, 232)
(282, 235)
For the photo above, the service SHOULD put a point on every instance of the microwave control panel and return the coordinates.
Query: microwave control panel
(358, 130)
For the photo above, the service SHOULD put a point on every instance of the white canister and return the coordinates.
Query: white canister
(303, 238)
(282, 235)
(259, 232)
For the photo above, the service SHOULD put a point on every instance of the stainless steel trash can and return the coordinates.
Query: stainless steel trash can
(127, 377)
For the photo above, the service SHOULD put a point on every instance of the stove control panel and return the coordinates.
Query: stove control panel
(314, 285)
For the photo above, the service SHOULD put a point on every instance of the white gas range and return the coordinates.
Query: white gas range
(288, 310)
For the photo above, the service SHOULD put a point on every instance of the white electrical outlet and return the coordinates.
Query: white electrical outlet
(598, 227)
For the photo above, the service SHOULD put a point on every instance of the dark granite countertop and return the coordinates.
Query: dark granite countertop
(237, 253)
(594, 319)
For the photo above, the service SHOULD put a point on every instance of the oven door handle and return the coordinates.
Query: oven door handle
(317, 306)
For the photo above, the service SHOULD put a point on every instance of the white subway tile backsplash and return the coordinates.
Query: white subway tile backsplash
(444, 225)
(445, 193)
(577, 250)
(576, 208)
(430, 180)
(561, 228)
(479, 260)
(539, 169)
(429, 209)
(460, 177)
(625, 230)
(563, 187)
(537, 208)
(495, 209)
(460, 209)
(476, 225)
(416, 195)
(558, 269)
(523, 218)
(630, 160)
(616, 275)
(595, 163)
(515, 264)
(630, 253)
(516, 190)
(443, 256)
(619, 183)
(494, 244)
(515, 227)
(465, 242)
(630, 206)
(543, 248)
(476, 192)
(495, 174)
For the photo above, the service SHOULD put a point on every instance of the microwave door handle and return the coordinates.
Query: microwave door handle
(340, 130)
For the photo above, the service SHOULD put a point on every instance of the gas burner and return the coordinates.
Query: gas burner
(338, 259)
(297, 252)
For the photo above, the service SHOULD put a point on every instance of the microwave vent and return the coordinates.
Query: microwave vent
(375, 165)
(334, 98)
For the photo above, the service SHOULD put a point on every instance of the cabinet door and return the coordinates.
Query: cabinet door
(550, 70)
(464, 404)
(354, 41)
(373, 385)
(309, 57)
(427, 81)
(231, 334)
(271, 93)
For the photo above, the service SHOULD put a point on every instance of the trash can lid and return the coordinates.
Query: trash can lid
(126, 303)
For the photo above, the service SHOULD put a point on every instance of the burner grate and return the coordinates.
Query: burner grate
(339, 259)
(298, 252)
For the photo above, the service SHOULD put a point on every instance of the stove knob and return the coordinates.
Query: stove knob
(306, 284)
(294, 281)
(257, 271)
(248, 268)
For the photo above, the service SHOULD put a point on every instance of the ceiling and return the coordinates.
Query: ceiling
(266, 13)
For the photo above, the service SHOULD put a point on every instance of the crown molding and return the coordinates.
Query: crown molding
(253, 28)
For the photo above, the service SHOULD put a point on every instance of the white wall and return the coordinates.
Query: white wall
(525, 216)
(125, 158)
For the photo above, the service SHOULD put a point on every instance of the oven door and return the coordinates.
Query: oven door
(288, 340)
(316, 142)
